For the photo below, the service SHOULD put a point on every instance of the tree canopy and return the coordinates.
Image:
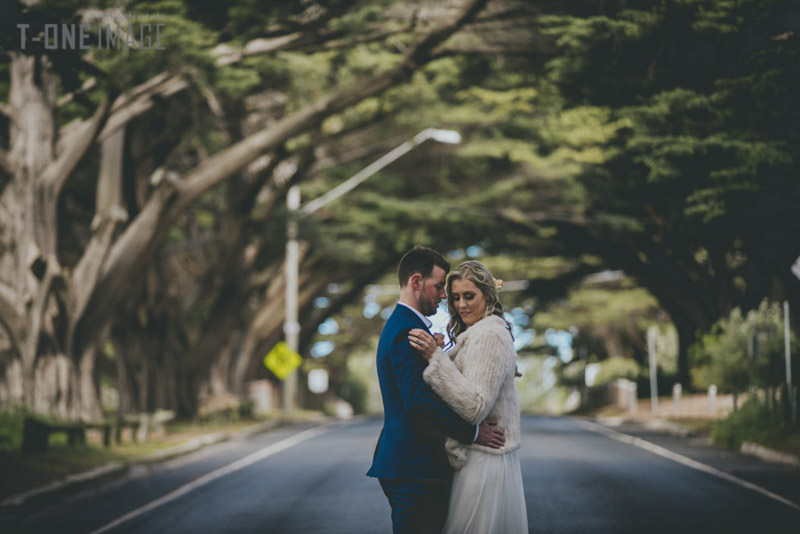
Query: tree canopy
(142, 191)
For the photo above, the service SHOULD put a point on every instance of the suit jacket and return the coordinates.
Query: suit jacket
(416, 421)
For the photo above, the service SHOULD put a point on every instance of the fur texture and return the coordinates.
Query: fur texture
(477, 381)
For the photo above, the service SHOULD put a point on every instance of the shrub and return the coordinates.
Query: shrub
(617, 367)
(354, 390)
(753, 422)
(11, 423)
(742, 350)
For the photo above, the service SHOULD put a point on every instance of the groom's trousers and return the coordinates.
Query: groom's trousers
(418, 506)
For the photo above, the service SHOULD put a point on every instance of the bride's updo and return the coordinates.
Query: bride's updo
(478, 274)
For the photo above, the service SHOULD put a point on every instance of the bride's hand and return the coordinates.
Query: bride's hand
(422, 341)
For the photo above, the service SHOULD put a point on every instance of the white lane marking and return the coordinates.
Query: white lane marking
(675, 457)
(218, 473)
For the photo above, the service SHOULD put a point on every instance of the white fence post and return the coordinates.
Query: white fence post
(712, 400)
(676, 399)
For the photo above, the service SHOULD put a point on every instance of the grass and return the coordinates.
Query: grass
(753, 422)
(25, 472)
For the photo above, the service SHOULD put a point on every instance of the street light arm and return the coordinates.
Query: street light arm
(291, 325)
(442, 136)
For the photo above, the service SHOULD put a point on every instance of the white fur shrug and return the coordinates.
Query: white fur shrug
(477, 381)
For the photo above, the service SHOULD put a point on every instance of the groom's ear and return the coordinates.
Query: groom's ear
(416, 281)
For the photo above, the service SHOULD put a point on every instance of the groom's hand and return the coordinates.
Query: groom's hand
(489, 435)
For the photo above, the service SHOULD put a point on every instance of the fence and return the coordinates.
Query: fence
(36, 432)
(709, 405)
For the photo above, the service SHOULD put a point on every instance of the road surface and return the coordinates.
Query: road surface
(579, 477)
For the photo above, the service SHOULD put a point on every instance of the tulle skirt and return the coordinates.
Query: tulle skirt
(487, 496)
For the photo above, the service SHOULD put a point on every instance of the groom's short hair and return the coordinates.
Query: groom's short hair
(420, 260)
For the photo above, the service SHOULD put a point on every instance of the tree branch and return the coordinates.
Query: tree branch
(140, 239)
(57, 173)
(335, 44)
(87, 86)
(658, 273)
(223, 164)
(11, 318)
(5, 163)
(297, 41)
(109, 215)
(312, 18)
(228, 55)
(277, 38)
(139, 100)
(359, 283)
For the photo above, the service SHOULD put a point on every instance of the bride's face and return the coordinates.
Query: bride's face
(468, 300)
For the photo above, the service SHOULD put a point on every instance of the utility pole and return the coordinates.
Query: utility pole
(651, 349)
(291, 326)
(787, 349)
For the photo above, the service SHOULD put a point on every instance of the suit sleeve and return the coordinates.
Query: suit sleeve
(418, 398)
(472, 394)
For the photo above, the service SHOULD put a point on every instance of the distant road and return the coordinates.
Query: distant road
(311, 479)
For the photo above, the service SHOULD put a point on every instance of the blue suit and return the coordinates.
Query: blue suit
(410, 458)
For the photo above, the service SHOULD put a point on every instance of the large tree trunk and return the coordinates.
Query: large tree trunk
(34, 287)
(87, 403)
(26, 273)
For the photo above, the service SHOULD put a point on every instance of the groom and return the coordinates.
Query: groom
(410, 460)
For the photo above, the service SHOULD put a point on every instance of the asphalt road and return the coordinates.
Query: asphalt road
(578, 478)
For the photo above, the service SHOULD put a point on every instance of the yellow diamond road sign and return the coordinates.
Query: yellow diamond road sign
(282, 360)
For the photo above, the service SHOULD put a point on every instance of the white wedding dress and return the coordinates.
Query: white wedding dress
(487, 496)
(476, 379)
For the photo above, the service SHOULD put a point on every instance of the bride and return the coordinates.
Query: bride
(477, 381)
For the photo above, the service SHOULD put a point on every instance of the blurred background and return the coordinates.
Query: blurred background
(629, 168)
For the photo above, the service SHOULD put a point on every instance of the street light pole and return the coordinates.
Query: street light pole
(790, 390)
(291, 325)
(651, 351)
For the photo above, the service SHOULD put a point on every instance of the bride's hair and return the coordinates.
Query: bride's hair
(475, 272)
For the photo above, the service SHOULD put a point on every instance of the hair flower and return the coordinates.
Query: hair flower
(498, 284)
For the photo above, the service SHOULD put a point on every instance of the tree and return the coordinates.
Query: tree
(50, 307)
(743, 350)
(670, 157)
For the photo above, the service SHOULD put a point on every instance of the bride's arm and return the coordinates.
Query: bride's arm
(488, 359)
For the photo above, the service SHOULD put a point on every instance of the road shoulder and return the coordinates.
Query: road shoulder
(116, 469)
(779, 479)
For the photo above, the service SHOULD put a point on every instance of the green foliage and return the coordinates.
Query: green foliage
(610, 320)
(572, 374)
(12, 419)
(616, 367)
(758, 423)
(662, 129)
(666, 349)
(185, 47)
(238, 80)
(742, 350)
(537, 389)
(354, 390)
